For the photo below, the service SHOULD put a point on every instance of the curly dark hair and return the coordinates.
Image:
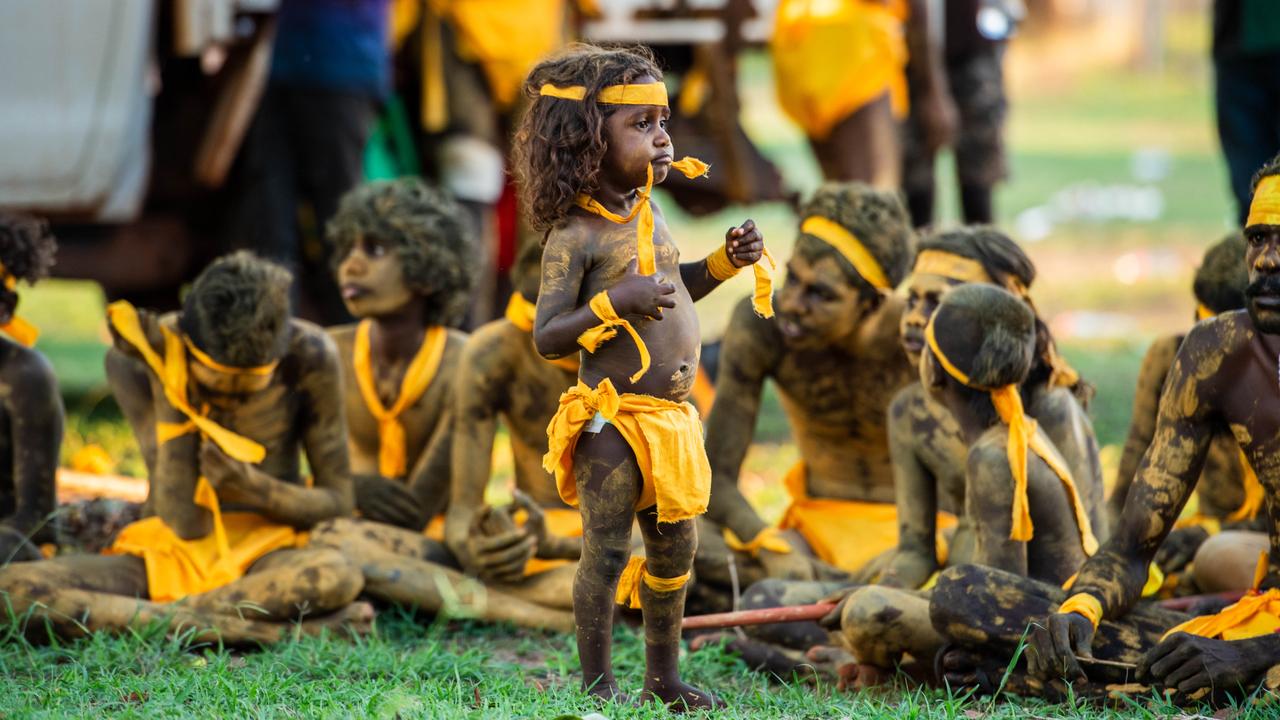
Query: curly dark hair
(988, 333)
(1220, 282)
(432, 235)
(1271, 168)
(560, 143)
(876, 217)
(26, 249)
(1003, 259)
(237, 310)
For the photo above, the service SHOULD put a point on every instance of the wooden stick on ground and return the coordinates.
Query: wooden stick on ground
(791, 613)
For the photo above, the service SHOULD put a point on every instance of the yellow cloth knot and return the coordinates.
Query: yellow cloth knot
(720, 267)
(1265, 207)
(769, 539)
(392, 451)
(521, 312)
(1256, 614)
(637, 570)
(592, 338)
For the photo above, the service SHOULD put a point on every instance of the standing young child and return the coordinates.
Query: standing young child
(624, 442)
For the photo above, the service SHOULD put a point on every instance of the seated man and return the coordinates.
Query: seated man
(30, 406)
(1027, 515)
(1223, 377)
(835, 313)
(401, 250)
(238, 391)
(1228, 494)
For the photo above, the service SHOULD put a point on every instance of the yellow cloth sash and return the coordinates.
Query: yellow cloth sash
(665, 436)
(769, 539)
(849, 246)
(1203, 312)
(23, 332)
(845, 533)
(1253, 493)
(703, 393)
(1265, 207)
(720, 267)
(592, 338)
(633, 94)
(951, 266)
(1022, 434)
(520, 312)
(868, 38)
(392, 460)
(562, 522)
(637, 569)
(1256, 614)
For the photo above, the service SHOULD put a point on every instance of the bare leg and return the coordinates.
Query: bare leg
(552, 589)
(288, 585)
(863, 147)
(1227, 560)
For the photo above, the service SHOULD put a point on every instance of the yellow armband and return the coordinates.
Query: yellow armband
(720, 267)
(609, 319)
(1083, 604)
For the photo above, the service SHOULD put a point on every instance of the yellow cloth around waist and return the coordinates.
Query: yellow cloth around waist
(845, 533)
(1265, 207)
(832, 57)
(1254, 615)
(562, 522)
(392, 451)
(665, 436)
(520, 312)
(506, 38)
(637, 571)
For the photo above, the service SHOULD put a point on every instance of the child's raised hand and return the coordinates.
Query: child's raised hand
(745, 244)
(637, 294)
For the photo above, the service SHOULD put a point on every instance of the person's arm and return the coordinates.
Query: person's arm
(1142, 428)
(743, 246)
(431, 475)
(988, 501)
(935, 106)
(35, 413)
(916, 493)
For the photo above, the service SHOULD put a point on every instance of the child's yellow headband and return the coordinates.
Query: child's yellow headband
(839, 237)
(951, 266)
(641, 94)
(1265, 208)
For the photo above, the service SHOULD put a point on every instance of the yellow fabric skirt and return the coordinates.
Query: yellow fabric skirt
(506, 38)
(177, 568)
(665, 436)
(846, 533)
(832, 57)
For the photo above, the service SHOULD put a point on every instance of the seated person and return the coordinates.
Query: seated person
(836, 311)
(926, 444)
(238, 392)
(401, 251)
(1020, 498)
(30, 406)
(1223, 377)
(1228, 494)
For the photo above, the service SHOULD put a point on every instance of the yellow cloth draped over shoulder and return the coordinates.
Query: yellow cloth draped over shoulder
(178, 567)
(846, 533)
(1254, 615)
(520, 312)
(869, 39)
(665, 436)
(22, 332)
(1023, 434)
(393, 459)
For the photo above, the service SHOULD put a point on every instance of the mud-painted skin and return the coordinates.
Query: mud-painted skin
(1221, 487)
(1223, 377)
(588, 255)
(294, 410)
(30, 437)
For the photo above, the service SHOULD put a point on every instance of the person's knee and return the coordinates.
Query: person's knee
(949, 592)
(329, 533)
(764, 594)
(336, 581)
(865, 621)
(1227, 560)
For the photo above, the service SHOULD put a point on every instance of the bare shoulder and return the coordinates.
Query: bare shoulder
(311, 347)
(344, 336)
(988, 461)
(1211, 343)
(907, 403)
(23, 367)
(751, 341)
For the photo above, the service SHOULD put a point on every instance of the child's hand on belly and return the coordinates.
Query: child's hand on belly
(637, 294)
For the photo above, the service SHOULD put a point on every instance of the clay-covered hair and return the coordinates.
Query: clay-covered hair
(877, 218)
(1271, 168)
(237, 310)
(988, 333)
(431, 234)
(26, 249)
(561, 144)
(1222, 277)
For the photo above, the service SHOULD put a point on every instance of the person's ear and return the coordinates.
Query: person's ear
(873, 303)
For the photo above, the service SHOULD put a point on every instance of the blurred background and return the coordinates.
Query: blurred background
(1116, 179)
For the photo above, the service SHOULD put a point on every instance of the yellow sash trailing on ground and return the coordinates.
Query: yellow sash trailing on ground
(869, 39)
(845, 533)
(665, 436)
(392, 453)
(1256, 614)
(177, 567)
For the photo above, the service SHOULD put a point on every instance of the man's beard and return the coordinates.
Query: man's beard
(1267, 321)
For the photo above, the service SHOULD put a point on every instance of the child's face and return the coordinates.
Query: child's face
(636, 137)
(372, 280)
(924, 292)
(817, 306)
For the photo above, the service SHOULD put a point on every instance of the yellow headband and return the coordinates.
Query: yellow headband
(642, 94)
(1022, 435)
(838, 237)
(1265, 208)
(951, 266)
(204, 359)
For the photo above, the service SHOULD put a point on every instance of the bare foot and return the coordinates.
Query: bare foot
(680, 696)
(355, 619)
(607, 692)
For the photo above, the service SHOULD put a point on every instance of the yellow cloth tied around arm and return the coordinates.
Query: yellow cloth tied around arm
(23, 332)
(520, 312)
(637, 570)
(392, 453)
(1083, 604)
(1256, 614)
(720, 267)
(1022, 435)
(1265, 207)
(664, 436)
(609, 319)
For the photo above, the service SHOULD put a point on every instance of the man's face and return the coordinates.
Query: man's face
(372, 280)
(817, 305)
(636, 137)
(1262, 296)
(924, 292)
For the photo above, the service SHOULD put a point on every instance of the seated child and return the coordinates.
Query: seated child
(238, 391)
(623, 444)
(30, 406)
